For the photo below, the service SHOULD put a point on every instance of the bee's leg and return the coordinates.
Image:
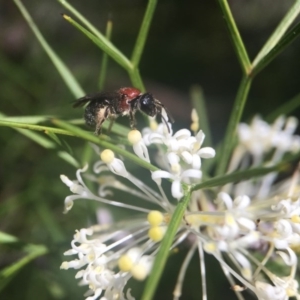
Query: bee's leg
(101, 117)
(132, 120)
(98, 130)
(112, 120)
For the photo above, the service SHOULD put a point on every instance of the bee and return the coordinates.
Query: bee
(125, 101)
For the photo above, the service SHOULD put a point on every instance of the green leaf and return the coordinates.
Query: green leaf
(246, 174)
(6, 238)
(143, 33)
(285, 109)
(279, 32)
(63, 70)
(7, 274)
(103, 43)
(281, 46)
(102, 76)
(236, 37)
(37, 138)
(69, 158)
(102, 141)
(26, 119)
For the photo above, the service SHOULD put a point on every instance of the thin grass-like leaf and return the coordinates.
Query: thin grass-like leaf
(236, 37)
(26, 119)
(6, 238)
(281, 46)
(63, 70)
(103, 70)
(143, 33)
(246, 174)
(46, 129)
(103, 43)
(285, 109)
(279, 32)
(8, 273)
(98, 140)
(68, 158)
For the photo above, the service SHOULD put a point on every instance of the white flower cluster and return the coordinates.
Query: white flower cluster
(229, 222)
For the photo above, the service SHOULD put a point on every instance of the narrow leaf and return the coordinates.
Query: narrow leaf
(65, 73)
(103, 70)
(143, 33)
(281, 46)
(236, 37)
(279, 32)
(104, 44)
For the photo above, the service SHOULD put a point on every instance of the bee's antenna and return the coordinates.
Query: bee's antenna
(166, 123)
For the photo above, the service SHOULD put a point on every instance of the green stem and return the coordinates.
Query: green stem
(235, 117)
(162, 255)
(136, 79)
(143, 33)
(104, 144)
(245, 174)
(236, 37)
(46, 129)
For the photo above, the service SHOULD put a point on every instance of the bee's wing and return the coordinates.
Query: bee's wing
(99, 97)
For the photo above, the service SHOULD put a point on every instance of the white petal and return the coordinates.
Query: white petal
(173, 158)
(200, 137)
(141, 151)
(224, 197)
(207, 152)
(118, 167)
(182, 134)
(161, 174)
(191, 173)
(196, 162)
(176, 189)
(187, 157)
(289, 259)
(241, 202)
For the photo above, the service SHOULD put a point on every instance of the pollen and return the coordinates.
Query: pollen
(125, 263)
(107, 156)
(194, 126)
(210, 247)
(153, 124)
(295, 219)
(134, 136)
(156, 233)
(155, 218)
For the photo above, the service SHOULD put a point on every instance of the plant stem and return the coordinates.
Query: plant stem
(162, 255)
(235, 117)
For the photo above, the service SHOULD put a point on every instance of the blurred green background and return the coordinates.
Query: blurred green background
(188, 44)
